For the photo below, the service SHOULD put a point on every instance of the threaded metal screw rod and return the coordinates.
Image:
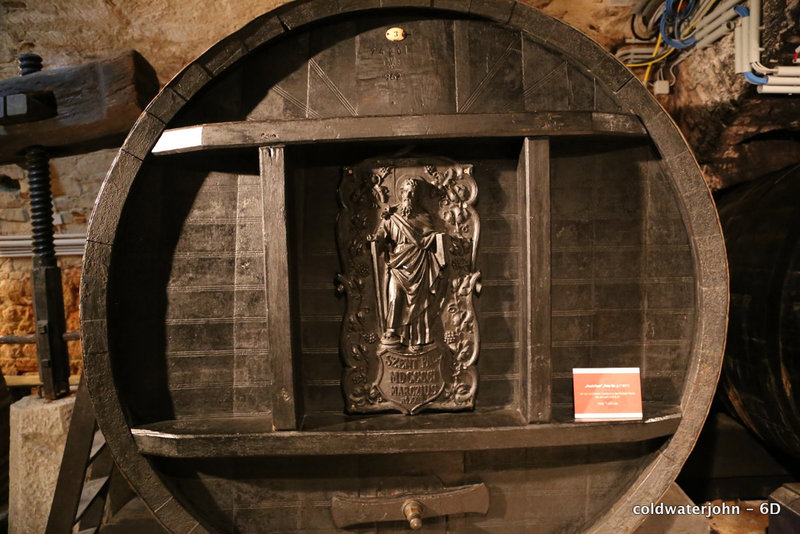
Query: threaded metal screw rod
(29, 63)
(39, 179)
(48, 296)
(41, 206)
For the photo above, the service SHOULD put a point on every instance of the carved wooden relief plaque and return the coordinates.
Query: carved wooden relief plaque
(408, 238)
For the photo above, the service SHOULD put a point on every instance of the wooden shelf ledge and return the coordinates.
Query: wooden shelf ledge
(462, 125)
(386, 434)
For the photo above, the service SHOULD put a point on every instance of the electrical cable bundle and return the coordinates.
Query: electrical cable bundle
(671, 26)
(647, 14)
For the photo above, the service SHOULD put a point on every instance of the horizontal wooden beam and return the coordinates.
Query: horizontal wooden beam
(32, 381)
(96, 103)
(21, 246)
(283, 132)
(30, 339)
(254, 436)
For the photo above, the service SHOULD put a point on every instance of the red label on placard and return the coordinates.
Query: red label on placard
(607, 394)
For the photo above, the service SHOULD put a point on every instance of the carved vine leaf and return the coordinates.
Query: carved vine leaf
(357, 387)
(375, 395)
(458, 194)
(461, 335)
(356, 322)
(380, 191)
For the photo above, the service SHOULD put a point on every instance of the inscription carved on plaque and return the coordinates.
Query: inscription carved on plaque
(408, 237)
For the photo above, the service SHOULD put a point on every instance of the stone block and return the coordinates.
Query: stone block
(13, 214)
(38, 434)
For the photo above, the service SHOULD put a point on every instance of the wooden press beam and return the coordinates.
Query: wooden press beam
(96, 103)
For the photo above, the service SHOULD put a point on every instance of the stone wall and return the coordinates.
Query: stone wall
(169, 34)
(16, 313)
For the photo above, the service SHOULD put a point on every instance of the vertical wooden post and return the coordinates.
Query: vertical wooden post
(279, 313)
(534, 191)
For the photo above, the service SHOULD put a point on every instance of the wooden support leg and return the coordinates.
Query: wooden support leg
(533, 175)
(279, 323)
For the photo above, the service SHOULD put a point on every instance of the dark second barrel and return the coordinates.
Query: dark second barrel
(761, 370)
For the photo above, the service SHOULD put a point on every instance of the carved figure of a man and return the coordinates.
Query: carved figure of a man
(414, 270)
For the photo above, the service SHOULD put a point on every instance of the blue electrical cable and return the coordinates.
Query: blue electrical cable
(671, 42)
(669, 11)
(686, 12)
(752, 78)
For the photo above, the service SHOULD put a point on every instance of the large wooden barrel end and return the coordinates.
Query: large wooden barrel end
(233, 310)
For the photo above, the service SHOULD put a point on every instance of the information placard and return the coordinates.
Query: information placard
(607, 394)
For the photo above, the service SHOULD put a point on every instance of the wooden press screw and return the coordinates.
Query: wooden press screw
(413, 512)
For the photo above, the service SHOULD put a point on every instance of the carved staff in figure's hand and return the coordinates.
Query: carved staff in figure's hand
(376, 274)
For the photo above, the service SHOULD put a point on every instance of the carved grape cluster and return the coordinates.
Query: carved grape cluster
(371, 337)
(361, 270)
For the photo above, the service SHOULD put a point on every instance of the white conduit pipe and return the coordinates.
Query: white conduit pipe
(738, 52)
(21, 246)
(754, 32)
(779, 80)
(783, 80)
(746, 43)
(720, 10)
(701, 8)
(787, 71)
(713, 26)
(779, 89)
(742, 46)
(627, 55)
(713, 36)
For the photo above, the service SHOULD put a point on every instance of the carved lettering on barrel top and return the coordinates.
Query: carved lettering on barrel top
(408, 237)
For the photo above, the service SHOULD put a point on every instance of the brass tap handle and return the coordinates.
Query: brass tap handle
(413, 512)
